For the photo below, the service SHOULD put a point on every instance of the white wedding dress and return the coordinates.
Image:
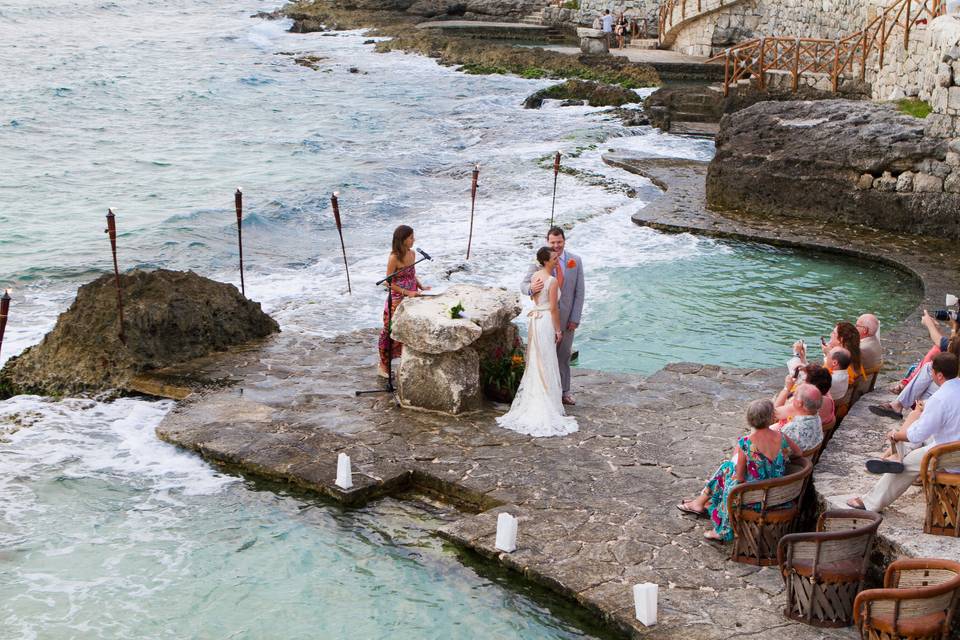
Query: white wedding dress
(537, 409)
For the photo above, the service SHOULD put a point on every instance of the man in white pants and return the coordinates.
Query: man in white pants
(937, 421)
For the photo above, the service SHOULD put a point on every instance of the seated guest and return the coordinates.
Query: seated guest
(940, 344)
(870, 350)
(837, 362)
(937, 421)
(819, 377)
(920, 387)
(804, 428)
(846, 335)
(761, 455)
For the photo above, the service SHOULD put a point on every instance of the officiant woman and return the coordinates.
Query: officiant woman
(404, 285)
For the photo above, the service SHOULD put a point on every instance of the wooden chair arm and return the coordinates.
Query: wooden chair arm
(905, 566)
(928, 466)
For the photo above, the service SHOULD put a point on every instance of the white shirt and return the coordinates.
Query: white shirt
(608, 23)
(940, 420)
(840, 384)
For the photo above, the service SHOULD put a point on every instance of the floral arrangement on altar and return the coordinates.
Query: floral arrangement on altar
(501, 372)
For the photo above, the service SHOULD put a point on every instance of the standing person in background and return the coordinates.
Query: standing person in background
(620, 29)
(569, 273)
(404, 285)
(607, 22)
(871, 352)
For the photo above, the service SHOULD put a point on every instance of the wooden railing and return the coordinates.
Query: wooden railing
(836, 58)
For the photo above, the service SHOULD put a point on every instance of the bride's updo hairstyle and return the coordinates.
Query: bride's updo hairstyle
(543, 255)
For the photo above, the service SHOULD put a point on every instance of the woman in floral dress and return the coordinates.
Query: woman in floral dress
(404, 285)
(761, 455)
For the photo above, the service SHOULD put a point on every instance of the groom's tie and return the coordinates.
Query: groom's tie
(558, 274)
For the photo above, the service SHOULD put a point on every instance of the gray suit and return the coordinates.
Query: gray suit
(571, 306)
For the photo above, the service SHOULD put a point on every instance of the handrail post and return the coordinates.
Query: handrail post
(726, 74)
(906, 28)
(796, 66)
(763, 48)
(836, 64)
(883, 39)
(863, 63)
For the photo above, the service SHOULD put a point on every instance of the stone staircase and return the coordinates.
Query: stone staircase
(643, 43)
(534, 18)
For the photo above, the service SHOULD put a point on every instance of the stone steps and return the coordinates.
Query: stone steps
(534, 18)
(643, 43)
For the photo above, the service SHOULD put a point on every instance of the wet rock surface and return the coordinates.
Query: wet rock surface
(770, 154)
(579, 92)
(169, 317)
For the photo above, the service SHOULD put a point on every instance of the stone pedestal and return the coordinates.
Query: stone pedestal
(440, 367)
(593, 41)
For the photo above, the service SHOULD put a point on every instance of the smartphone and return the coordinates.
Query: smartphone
(823, 341)
(796, 373)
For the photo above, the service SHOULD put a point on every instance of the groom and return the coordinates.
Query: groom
(571, 301)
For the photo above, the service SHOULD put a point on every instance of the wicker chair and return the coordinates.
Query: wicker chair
(823, 571)
(918, 601)
(757, 533)
(942, 489)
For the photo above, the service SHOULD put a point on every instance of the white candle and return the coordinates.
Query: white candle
(506, 533)
(344, 478)
(645, 601)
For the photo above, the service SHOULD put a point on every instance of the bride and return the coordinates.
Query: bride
(537, 409)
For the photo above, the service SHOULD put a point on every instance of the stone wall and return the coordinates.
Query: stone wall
(929, 70)
(642, 9)
(746, 19)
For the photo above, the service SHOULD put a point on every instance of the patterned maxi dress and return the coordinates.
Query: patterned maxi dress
(759, 467)
(405, 279)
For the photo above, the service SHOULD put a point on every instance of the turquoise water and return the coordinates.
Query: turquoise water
(737, 304)
(107, 533)
(161, 110)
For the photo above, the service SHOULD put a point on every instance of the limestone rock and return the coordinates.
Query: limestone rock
(952, 183)
(593, 42)
(804, 159)
(432, 8)
(595, 93)
(169, 317)
(953, 159)
(865, 182)
(905, 182)
(446, 382)
(425, 325)
(885, 183)
(944, 75)
(927, 183)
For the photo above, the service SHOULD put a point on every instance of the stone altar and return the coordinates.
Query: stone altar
(593, 41)
(440, 366)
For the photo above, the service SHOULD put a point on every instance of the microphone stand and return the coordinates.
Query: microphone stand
(390, 388)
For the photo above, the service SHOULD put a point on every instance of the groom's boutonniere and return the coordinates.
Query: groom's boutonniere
(571, 264)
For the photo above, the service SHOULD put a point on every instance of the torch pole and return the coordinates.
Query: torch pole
(473, 204)
(556, 172)
(343, 247)
(238, 203)
(112, 231)
(4, 311)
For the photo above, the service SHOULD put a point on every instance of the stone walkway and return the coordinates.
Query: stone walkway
(597, 507)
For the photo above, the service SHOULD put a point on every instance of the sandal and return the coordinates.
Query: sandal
(710, 536)
(885, 410)
(685, 509)
(856, 503)
(897, 388)
(884, 466)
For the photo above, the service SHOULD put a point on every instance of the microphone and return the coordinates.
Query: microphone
(424, 253)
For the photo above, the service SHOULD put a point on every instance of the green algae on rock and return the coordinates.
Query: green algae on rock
(594, 93)
(169, 317)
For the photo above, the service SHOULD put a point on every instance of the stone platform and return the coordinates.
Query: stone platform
(596, 507)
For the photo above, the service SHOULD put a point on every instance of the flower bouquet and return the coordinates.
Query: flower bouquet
(501, 372)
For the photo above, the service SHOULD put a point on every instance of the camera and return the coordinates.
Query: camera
(948, 314)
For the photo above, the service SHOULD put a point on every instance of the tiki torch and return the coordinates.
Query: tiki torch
(112, 231)
(556, 172)
(473, 203)
(4, 310)
(343, 247)
(238, 203)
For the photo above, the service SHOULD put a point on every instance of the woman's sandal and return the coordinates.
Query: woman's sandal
(711, 537)
(685, 509)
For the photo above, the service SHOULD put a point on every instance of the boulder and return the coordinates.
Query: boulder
(596, 94)
(446, 383)
(169, 317)
(812, 159)
(593, 41)
(440, 366)
(424, 323)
